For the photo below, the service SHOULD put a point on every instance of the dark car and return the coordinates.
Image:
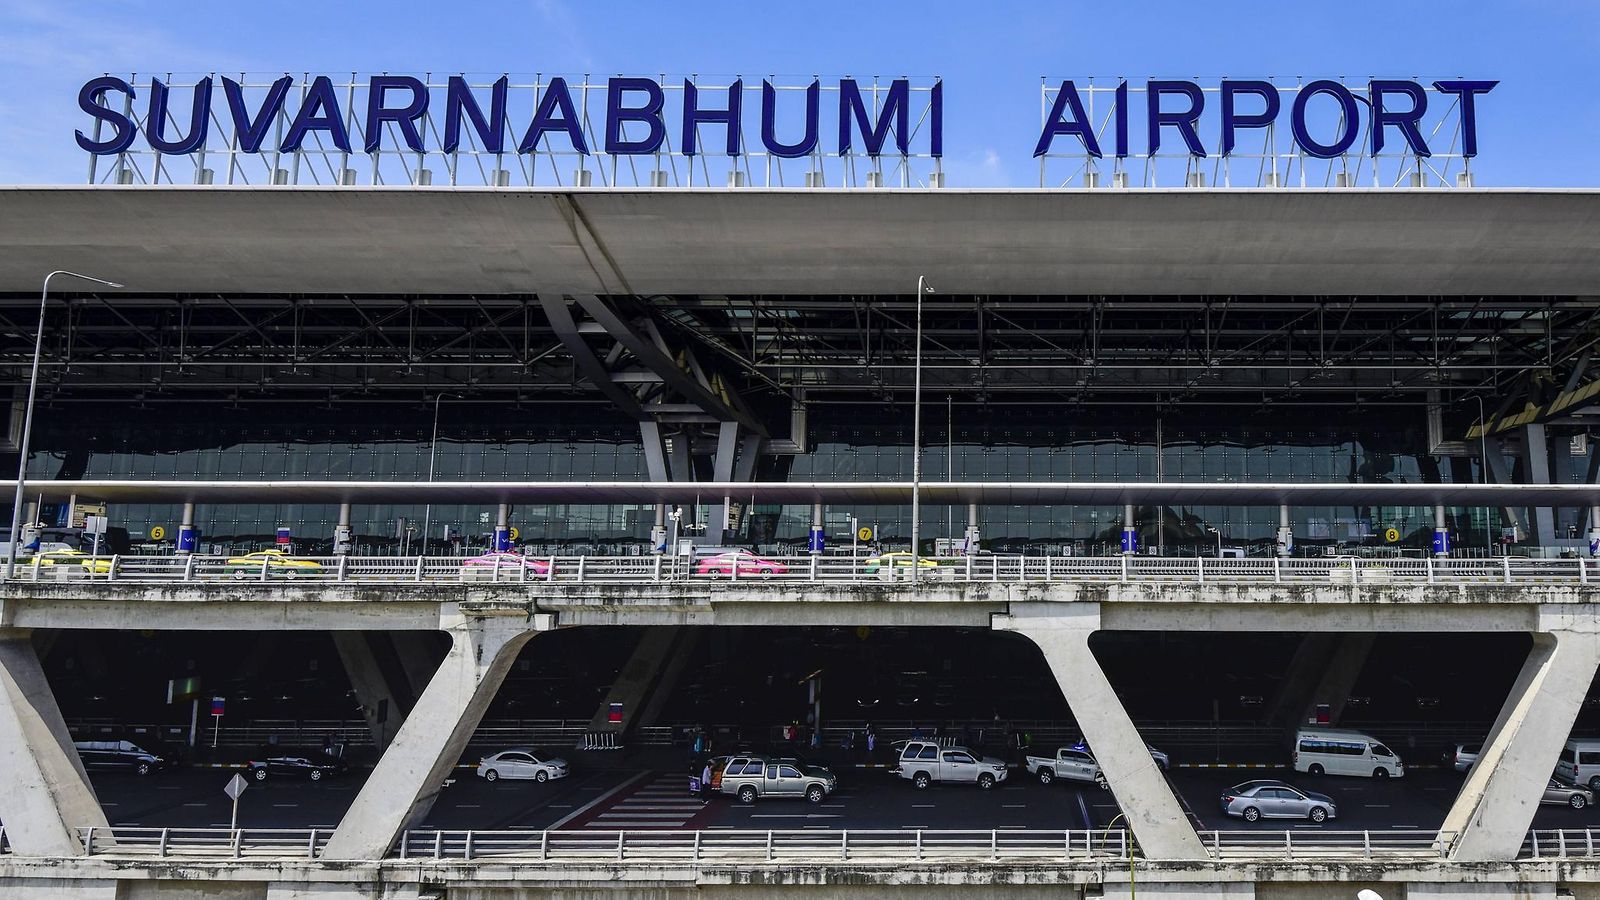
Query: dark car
(121, 755)
(311, 766)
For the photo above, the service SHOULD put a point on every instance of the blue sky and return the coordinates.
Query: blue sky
(1540, 127)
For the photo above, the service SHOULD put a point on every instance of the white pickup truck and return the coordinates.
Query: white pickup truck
(1077, 764)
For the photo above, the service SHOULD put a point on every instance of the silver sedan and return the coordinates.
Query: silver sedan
(1256, 800)
(1561, 791)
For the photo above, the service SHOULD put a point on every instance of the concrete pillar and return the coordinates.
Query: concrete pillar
(1441, 533)
(1061, 631)
(722, 471)
(1130, 535)
(502, 528)
(667, 678)
(1594, 531)
(1491, 815)
(641, 677)
(410, 774)
(187, 536)
(1285, 532)
(45, 796)
(1536, 456)
(383, 707)
(973, 536)
(818, 540)
(418, 656)
(658, 531)
(1323, 670)
(343, 537)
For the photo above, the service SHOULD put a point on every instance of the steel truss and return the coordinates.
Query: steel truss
(704, 360)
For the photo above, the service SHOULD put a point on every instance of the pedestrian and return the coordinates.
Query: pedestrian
(872, 740)
(705, 782)
(699, 741)
(816, 738)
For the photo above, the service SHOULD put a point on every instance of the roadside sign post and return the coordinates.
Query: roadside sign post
(235, 787)
(218, 706)
(95, 525)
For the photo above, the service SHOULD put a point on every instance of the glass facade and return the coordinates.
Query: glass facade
(845, 443)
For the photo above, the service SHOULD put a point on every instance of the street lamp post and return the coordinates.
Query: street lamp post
(27, 413)
(916, 441)
(433, 448)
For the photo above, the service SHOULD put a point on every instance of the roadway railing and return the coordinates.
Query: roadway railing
(809, 845)
(822, 569)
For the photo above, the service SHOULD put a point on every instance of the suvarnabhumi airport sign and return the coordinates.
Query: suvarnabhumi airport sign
(815, 132)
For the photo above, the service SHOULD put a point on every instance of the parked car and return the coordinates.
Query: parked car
(278, 565)
(1561, 791)
(751, 777)
(522, 763)
(124, 755)
(1256, 800)
(1465, 757)
(741, 561)
(898, 559)
(1580, 763)
(923, 762)
(74, 560)
(1328, 751)
(311, 767)
(504, 564)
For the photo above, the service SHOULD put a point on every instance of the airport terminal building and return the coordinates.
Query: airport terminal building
(1171, 451)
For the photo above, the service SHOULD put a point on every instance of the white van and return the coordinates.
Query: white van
(1580, 762)
(1319, 751)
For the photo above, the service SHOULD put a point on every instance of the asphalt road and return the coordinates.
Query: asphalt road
(866, 799)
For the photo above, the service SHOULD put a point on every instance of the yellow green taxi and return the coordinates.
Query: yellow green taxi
(98, 565)
(278, 565)
(897, 559)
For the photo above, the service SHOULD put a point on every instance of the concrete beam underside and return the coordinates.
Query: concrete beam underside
(1324, 670)
(45, 795)
(1141, 790)
(384, 699)
(1491, 815)
(412, 771)
(646, 678)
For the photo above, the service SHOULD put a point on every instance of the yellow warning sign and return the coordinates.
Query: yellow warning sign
(1391, 535)
(865, 534)
(157, 533)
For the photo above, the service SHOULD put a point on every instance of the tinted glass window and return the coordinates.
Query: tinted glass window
(957, 758)
(772, 771)
(1566, 755)
(1381, 750)
(789, 772)
(736, 767)
(928, 751)
(1589, 757)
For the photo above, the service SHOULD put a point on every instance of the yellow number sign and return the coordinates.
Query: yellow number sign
(157, 533)
(515, 533)
(1392, 535)
(865, 534)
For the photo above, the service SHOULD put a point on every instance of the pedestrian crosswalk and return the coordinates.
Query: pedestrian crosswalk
(661, 801)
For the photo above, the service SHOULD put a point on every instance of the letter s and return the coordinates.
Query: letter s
(89, 101)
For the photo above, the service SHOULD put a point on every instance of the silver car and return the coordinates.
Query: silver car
(1256, 800)
(1562, 791)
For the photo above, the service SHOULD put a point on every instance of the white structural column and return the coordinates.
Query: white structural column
(1491, 815)
(44, 794)
(381, 704)
(412, 771)
(1061, 632)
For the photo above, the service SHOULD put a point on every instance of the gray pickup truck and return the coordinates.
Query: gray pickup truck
(750, 777)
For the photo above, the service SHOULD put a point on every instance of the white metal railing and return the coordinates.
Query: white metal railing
(1560, 843)
(816, 845)
(824, 569)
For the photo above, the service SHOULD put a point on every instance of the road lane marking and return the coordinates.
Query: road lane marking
(197, 804)
(922, 806)
(793, 816)
(285, 805)
(1013, 806)
(1376, 805)
(558, 806)
(467, 806)
(1084, 808)
(600, 799)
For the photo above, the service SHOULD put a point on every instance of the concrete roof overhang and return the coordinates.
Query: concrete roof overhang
(420, 241)
(864, 493)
